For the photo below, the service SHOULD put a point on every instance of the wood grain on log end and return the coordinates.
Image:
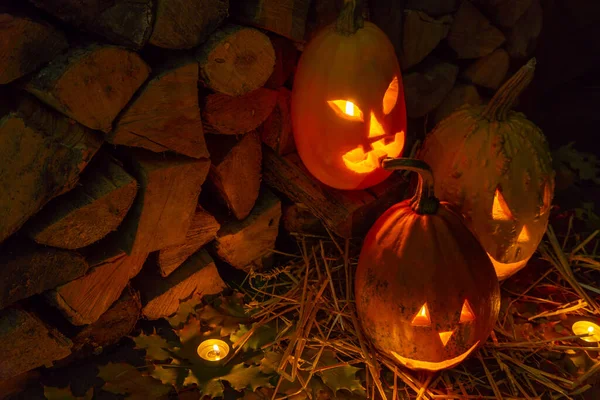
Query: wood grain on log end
(164, 115)
(276, 132)
(26, 44)
(92, 84)
(236, 60)
(86, 214)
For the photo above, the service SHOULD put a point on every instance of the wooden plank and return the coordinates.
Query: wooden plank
(345, 213)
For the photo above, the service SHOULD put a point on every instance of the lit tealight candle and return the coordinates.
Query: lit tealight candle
(213, 350)
(587, 328)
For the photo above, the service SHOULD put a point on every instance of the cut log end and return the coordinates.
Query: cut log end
(276, 132)
(426, 90)
(25, 45)
(236, 60)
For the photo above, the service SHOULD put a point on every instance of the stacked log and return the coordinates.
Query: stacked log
(145, 143)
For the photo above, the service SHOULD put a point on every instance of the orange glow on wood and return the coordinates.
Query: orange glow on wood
(523, 236)
(445, 337)
(466, 314)
(500, 210)
(422, 317)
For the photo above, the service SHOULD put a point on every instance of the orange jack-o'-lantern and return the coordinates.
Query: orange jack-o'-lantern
(348, 109)
(495, 166)
(426, 292)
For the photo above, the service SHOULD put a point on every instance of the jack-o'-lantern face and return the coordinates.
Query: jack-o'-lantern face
(348, 109)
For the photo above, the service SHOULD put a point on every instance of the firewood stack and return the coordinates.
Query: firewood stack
(142, 140)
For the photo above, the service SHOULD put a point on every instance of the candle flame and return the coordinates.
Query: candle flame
(590, 329)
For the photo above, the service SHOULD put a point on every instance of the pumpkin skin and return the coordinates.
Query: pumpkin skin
(359, 67)
(410, 260)
(496, 167)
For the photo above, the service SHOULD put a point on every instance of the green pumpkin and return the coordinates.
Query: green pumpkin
(495, 166)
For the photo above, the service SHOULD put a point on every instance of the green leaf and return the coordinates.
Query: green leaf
(217, 319)
(185, 310)
(125, 379)
(262, 335)
(155, 346)
(270, 362)
(340, 377)
(54, 393)
(166, 374)
(241, 377)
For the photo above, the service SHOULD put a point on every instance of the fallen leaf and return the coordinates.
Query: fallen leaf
(125, 379)
(220, 321)
(54, 393)
(262, 335)
(155, 346)
(340, 377)
(165, 374)
(185, 310)
(270, 362)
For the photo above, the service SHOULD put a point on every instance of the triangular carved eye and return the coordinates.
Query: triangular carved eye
(391, 96)
(466, 314)
(346, 109)
(524, 235)
(422, 317)
(500, 209)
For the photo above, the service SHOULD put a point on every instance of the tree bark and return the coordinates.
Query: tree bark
(41, 157)
(91, 85)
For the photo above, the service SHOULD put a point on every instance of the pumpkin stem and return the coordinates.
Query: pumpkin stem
(424, 200)
(504, 99)
(350, 19)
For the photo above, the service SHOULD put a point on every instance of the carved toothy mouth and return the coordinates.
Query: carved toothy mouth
(362, 162)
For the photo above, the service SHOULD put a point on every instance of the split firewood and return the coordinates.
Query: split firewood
(425, 90)
(26, 44)
(236, 60)
(232, 115)
(165, 114)
(460, 95)
(161, 296)
(422, 34)
(472, 35)
(125, 22)
(286, 59)
(28, 269)
(435, 8)
(89, 212)
(41, 156)
(183, 24)
(240, 243)
(235, 171)
(489, 71)
(504, 13)
(91, 85)
(203, 229)
(286, 18)
(298, 218)
(345, 213)
(389, 17)
(118, 321)
(83, 300)
(522, 39)
(26, 342)
(163, 210)
(276, 132)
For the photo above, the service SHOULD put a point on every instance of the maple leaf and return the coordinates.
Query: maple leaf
(342, 377)
(125, 379)
(241, 377)
(270, 362)
(217, 319)
(263, 334)
(155, 345)
(166, 374)
(54, 393)
(185, 310)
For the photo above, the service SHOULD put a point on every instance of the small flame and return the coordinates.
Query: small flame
(216, 350)
(590, 329)
(350, 108)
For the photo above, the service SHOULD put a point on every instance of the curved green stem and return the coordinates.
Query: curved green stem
(350, 19)
(504, 99)
(424, 200)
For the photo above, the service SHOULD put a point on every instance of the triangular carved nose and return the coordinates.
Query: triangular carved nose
(445, 336)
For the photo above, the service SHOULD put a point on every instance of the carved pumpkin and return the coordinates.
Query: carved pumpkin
(348, 109)
(426, 292)
(495, 165)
